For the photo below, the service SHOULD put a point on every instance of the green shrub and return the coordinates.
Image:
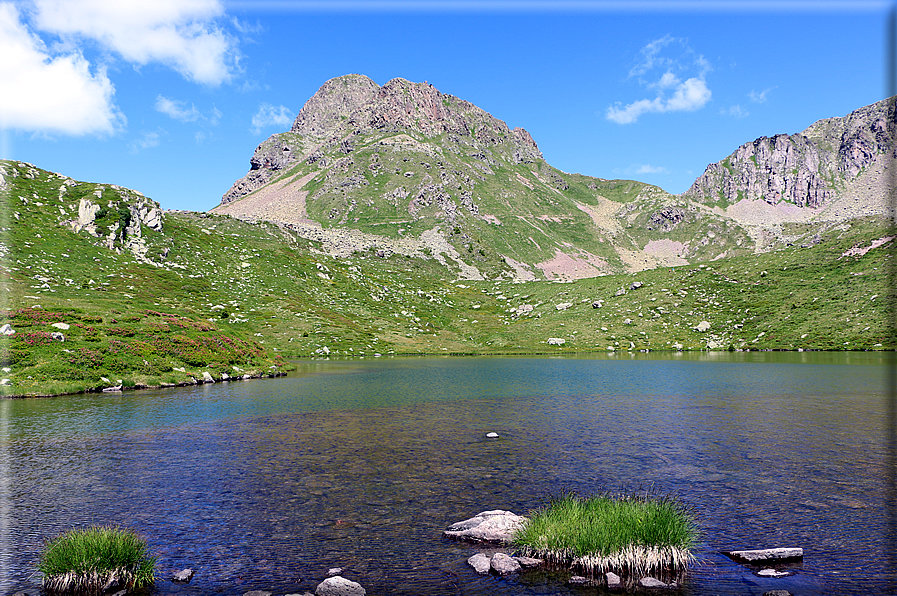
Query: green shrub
(630, 535)
(87, 560)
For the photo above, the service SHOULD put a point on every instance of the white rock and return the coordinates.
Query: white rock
(504, 564)
(339, 586)
(480, 562)
(62, 326)
(613, 580)
(206, 377)
(556, 341)
(489, 526)
(5, 381)
(702, 326)
(564, 305)
(772, 573)
(492, 435)
(7, 329)
(767, 554)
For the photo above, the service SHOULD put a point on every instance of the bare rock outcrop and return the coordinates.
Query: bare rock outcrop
(806, 169)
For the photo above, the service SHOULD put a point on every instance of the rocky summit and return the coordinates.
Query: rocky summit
(406, 169)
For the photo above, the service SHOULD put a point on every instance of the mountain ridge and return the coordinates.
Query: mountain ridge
(405, 168)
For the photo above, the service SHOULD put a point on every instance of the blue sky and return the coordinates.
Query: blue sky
(171, 97)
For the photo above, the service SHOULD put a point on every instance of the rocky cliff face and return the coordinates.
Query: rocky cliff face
(352, 105)
(806, 169)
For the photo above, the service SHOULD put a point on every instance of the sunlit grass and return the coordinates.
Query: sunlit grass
(633, 535)
(85, 560)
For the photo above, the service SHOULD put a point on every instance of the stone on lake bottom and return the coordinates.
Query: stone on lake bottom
(578, 580)
(504, 564)
(480, 562)
(258, 593)
(488, 526)
(652, 582)
(333, 571)
(339, 586)
(772, 573)
(777, 593)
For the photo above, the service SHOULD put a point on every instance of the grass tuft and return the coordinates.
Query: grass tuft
(629, 535)
(86, 561)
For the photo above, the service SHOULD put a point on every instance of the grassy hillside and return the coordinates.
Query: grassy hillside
(213, 294)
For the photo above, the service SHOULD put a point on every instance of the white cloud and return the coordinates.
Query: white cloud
(737, 111)
(268, 115)
(672, 93)
(643, 168)
(54, 94)
(759, 97)
(148, 140)
(177, 109)
(182, 34)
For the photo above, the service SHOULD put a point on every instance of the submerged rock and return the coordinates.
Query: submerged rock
(772, 573)
(488, 526)
(652, 582)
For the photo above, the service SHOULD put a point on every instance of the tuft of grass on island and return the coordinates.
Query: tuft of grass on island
(630, 535)
(208, 293)
(95, 560)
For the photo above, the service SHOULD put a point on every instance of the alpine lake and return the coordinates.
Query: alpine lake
(361, 464)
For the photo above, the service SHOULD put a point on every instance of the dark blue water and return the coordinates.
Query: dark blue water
(266, 484)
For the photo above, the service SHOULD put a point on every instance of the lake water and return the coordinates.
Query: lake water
(361, 464)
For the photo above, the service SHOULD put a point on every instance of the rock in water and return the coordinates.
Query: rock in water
(504, 564)
(184, 575)
(528, 561)
(772, 573)
(766, 554)
(480, 562)
(651, 582)
(613, 580)
(339, 586)
(488, 526)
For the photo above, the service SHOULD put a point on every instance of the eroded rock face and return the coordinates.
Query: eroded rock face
(488, 526)
(804, 169)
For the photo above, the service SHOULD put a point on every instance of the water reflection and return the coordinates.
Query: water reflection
(361, 464)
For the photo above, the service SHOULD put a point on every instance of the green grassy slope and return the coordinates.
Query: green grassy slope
(214, 293)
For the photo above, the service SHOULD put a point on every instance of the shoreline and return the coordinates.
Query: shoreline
(259, 375)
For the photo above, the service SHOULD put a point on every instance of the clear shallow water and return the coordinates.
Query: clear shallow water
(361, 464)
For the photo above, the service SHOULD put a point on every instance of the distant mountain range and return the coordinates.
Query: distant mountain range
(404, 168)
